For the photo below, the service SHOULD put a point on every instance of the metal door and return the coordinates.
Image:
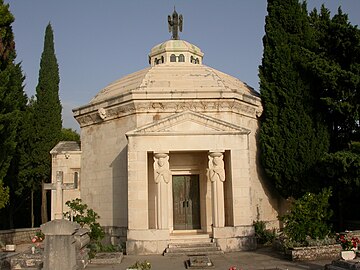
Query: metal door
(186, 202)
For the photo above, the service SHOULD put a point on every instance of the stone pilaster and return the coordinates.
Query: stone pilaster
(162, 176)
(216, 175)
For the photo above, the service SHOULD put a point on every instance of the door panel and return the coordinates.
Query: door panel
(186, 202)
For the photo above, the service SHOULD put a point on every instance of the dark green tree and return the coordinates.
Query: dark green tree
(335, 68)
(47, 114)
(293, 136)
(19, 177)
(68, 134)
(12, 100)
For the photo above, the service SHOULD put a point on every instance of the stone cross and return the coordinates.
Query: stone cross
(59, 187)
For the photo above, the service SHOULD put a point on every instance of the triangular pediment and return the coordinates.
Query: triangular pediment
(189, 122)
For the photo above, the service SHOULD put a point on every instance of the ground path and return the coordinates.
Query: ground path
(264, 258)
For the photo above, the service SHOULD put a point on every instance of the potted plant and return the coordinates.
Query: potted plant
(349, 244)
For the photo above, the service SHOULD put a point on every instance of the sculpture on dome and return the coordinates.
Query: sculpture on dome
(175, 23)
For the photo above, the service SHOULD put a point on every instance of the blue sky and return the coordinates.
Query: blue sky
(98, 42)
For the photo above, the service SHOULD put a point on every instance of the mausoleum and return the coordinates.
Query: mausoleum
(170, 152)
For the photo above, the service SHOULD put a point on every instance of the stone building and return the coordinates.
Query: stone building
(170, 151)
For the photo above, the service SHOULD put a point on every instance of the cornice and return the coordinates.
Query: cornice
(106, 112)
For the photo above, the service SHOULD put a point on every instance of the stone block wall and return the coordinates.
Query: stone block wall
(17, 236)
(331, 252)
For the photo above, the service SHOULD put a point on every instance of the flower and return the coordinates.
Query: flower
(348, 241)
(38, 238)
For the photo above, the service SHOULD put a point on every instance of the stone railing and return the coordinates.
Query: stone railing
(17, 236)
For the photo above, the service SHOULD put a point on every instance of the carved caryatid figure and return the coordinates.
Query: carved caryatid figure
(216, 169)
(175, 23)
(161, 168)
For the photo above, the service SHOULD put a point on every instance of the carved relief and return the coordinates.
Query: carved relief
(203, 106)
(216, 169)
(102, 113)
(161, 168)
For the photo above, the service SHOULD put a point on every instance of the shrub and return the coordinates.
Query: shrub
(308, 217)
(145, 265)
(263, 235)
(80, 213)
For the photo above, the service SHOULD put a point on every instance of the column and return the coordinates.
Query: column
(59, 195)
(216, 175)
(162, 176)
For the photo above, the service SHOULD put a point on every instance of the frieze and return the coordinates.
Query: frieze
(172, 106)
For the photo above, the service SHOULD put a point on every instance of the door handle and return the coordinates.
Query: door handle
(185, 203)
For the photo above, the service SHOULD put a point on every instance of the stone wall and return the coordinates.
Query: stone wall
(17, 236)
(314, 253)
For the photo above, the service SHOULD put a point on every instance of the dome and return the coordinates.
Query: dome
(174, 81)
(175, 51)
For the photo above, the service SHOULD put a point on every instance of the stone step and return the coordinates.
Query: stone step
(192, 249)
(194, 244)
(193, 253)
(203, 246)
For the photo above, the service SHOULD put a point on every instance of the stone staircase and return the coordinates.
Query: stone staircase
(191, 245)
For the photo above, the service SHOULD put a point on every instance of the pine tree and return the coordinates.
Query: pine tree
(12, 99)
(335, 67)
(47, 112)
(292, 135)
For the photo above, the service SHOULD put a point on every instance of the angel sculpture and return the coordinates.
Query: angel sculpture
(175, 23)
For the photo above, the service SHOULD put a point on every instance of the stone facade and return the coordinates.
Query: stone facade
(173, 149)
(66, 158)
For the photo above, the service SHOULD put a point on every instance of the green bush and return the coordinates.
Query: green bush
(308, 217)
(86, 218)
(263, 235)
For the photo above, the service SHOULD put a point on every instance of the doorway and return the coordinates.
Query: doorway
(186, 202)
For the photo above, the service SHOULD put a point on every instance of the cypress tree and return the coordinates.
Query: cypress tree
(47, 113)
(12, 99)
(292, 134)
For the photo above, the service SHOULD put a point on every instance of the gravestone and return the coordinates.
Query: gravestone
(341, 264)
(60, 244)
(199, 262)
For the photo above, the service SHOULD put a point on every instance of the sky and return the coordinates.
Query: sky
(98, 42)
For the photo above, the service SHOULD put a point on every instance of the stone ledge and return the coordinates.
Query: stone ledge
(314, 253)
(107, 258)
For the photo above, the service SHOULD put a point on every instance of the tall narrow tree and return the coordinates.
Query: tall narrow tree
(47, 113)
(292, 136)
(12, 98)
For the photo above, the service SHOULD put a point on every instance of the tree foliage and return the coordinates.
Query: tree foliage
(293, 136)
(47, 109)
(68, 134)
(86, 217)
(12, 100)
(308, 217)
(335, 67)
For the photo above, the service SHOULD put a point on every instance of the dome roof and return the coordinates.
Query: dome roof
(174, 80)
(175, 46)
